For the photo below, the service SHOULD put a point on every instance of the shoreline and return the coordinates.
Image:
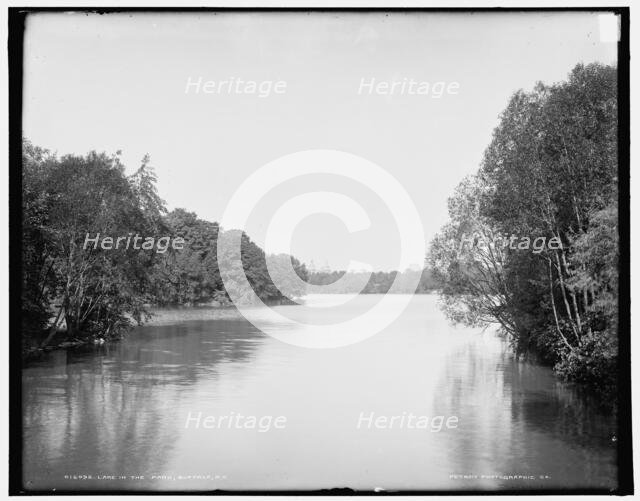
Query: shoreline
(178, 314)
(168, 315)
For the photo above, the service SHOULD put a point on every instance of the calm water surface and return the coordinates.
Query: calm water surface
(115, 416)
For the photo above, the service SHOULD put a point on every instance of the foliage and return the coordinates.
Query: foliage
(549, 172)
(93, 292)
(89, 290)
(189, 276)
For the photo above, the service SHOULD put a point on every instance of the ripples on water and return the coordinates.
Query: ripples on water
(120, 410)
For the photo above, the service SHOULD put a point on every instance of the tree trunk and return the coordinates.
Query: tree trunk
(54, 328)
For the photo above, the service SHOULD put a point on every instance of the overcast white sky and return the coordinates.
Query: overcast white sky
(117, 82)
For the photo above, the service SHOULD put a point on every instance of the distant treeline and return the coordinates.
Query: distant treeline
(378, 283)
(92, 292)
(550, 171)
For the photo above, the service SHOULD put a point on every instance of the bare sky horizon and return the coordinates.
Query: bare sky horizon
(117, 82)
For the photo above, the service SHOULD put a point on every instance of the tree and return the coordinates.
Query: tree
(189, 276)
(549, 172)
(92, 291)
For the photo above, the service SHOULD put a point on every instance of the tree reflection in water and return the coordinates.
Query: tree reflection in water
(516, 418)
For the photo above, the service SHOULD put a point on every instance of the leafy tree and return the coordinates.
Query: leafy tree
(190, 275)
(70, 282)
(91, 291)
(550, 172)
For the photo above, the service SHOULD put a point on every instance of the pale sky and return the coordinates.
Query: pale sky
(117, 82)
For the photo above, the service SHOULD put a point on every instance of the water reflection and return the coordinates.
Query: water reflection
(120, 409)
(522, 421)
(110, 410)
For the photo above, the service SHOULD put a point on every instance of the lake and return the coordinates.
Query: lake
(131, 414)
